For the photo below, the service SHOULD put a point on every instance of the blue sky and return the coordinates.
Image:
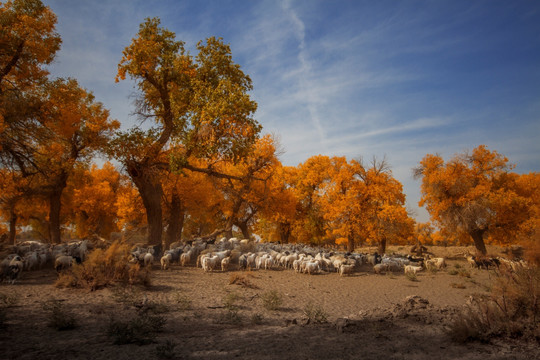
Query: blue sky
(399, 79)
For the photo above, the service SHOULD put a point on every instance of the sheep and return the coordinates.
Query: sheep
(394, 266)
(185, 258)
(346, 269)
(225, 264)
(15, 269)
(313, 267)
(379, 268)
(250, 261)
(374, 259)
(31, 261)
(268, 263)
(435, 263)
(148, 259)
(209, 263)
(242, 261)
(471, 261)
(411, 269)
(166, 261)
(63, 262)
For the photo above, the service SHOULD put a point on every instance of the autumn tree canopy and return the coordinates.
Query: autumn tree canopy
(473, 194)
(200, 108)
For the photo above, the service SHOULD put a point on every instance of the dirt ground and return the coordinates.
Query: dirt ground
(364, 316)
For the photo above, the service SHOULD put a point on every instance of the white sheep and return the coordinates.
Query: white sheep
(346, 269)
(148, 259)
(209, 263)
(380, 268)
(411, 269)
(166, 261)
(435, 263)
(225, 264)
(313, 267)
(185, 258)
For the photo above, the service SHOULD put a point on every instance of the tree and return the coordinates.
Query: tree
(200, 108)
(364, 202)
(248, 192)
(28, 42)
(472, 194)
(75, 126)
(306, 182)
(94, 200)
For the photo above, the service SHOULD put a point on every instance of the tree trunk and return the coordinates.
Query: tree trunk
(245, 230)
(284, 232)
(230, 221)
(12, 226)
(478, 238)
(176, 221)
(150, 190)
(350, 243)
(55, 205)
(382, 246)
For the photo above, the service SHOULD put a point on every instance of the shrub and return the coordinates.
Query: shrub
(257, 319)
(411, 276)
(242, 280)
(272, 300)
(230, 316)
(166, 351)
(141, 329)
(6, 301)
(511, 309)
(182, 301)
(464, 273)
(103, 268)
(315, 313)
(229, 301)
(60, 318)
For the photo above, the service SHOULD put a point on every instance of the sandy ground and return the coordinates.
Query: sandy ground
(368, 316)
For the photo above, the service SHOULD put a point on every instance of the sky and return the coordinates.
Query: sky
(394, 79)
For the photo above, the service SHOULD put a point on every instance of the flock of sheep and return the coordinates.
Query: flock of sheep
(227, 254)
(34, 255)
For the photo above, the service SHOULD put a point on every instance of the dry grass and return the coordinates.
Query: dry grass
(512, 309)
(103, 268)
(242, 280)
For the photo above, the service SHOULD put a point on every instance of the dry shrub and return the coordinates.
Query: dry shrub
(105, 267)
(242, 280)
(141, 329)
(315, 313)
(272, 300)
(511, 310)
(60, 318)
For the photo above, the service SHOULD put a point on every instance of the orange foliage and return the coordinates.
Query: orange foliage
(474, 194)
(94, 201)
